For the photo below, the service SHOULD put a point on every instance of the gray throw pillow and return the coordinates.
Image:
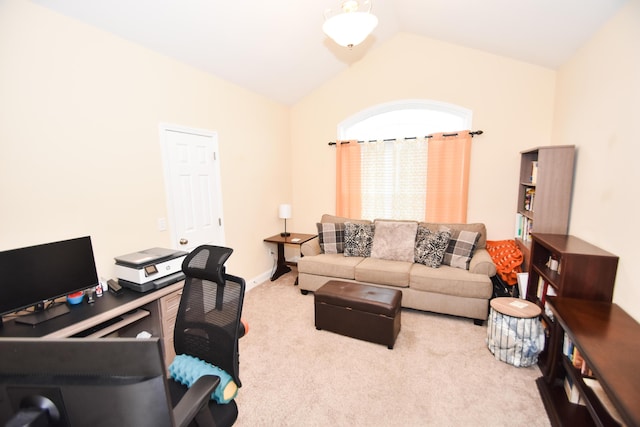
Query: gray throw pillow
(394, 240)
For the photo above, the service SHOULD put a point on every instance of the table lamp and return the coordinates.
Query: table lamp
(284, 212)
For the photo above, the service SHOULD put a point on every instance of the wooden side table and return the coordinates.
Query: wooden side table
(293, 239)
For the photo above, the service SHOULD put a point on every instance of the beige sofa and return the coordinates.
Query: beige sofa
(445, 289)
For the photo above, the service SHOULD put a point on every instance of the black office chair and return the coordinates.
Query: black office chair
(208, 324)
(92, 382)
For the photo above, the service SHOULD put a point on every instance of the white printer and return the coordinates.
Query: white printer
(150, 269)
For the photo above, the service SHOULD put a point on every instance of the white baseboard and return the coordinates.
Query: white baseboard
(257, 280)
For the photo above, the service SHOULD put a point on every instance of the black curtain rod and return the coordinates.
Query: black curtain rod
(473, 133)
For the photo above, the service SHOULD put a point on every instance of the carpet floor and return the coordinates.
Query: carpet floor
(439, 373)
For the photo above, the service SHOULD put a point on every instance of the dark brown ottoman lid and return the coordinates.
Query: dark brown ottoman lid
(370, 299)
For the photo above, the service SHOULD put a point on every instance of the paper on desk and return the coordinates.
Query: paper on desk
(518, 304)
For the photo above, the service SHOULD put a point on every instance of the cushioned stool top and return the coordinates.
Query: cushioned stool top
(370, 299)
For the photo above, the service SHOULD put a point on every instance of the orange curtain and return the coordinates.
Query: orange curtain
(348, 184)
(448, 162)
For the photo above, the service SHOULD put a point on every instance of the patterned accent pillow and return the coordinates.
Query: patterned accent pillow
(358, 239)
(460, 249)
(331, 236)
(431, 246)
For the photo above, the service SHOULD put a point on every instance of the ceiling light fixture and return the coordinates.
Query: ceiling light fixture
(352, 24)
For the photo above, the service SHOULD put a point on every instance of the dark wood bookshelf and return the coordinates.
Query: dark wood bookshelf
(583, 271)
(609, 341)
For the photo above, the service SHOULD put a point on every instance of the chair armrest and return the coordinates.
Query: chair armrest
(311, 247)
(195, 399)
(482, 263)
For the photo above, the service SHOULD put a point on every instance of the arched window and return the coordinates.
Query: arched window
(403, 119)
(392, 166)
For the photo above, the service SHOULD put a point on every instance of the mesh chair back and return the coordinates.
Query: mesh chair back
(208, 321)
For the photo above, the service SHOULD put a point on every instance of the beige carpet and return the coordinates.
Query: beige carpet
(440, 372)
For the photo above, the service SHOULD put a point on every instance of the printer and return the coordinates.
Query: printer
(150, 269)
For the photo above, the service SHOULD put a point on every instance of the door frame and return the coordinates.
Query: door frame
(170, 198)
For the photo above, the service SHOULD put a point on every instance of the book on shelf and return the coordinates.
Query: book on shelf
(573, 354)
(541, 292)
(529, 198)
(576, 358)
(545, 290)
(573, 394)
(519, 226)
(534, 172)
(523, 227)
(567, 346)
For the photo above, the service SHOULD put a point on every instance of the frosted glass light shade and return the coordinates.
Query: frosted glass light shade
(284, 211)
(350, 28)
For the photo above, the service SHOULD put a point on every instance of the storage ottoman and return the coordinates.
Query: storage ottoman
(359, 311)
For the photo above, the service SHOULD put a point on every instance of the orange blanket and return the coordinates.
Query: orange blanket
(507, 258)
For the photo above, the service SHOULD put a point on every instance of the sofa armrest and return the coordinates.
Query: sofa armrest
(311, 247)
(481, 263)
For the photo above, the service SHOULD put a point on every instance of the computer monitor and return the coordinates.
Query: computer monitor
(84, 382)
(33, 275)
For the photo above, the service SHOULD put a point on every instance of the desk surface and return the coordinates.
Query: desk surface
(84, 316)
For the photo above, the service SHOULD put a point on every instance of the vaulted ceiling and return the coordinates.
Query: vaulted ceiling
(277, 48)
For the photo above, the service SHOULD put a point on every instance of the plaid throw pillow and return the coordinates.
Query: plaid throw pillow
(331, 236)
(461, 246)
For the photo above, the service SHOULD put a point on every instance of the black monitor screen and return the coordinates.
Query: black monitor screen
(32, 275)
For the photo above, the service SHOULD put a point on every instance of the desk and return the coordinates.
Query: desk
(134, 311)
(293, 239)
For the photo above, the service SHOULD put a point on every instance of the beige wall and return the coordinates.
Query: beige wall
(597, 109)
(79, 142)
(512, 102)
(80, 153)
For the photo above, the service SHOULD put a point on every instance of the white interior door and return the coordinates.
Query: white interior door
(192, 177)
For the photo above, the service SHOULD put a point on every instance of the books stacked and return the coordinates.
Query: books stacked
(529, 198)
(572, 352)
(524, 227)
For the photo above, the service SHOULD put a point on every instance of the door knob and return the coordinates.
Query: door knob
(184, 241)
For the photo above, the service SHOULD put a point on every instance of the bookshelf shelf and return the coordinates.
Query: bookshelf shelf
(544, 193)
(607, 339)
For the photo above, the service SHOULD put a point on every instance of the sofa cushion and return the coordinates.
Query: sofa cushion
(460, 249)
(384, 272)
(331, 236)
(331, 265)
(430, 246)
(358, 239)
(450, 281)
(394, 240)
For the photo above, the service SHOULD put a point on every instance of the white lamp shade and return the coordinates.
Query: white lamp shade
(350, 29)
(284, 211)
